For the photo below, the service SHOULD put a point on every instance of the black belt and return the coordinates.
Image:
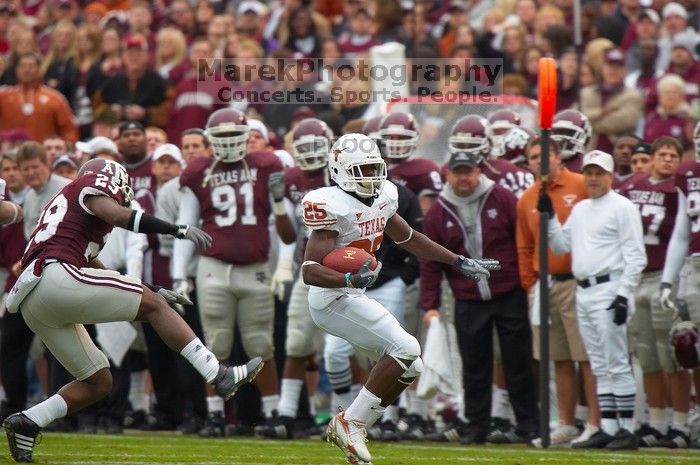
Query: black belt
(584, 283)
(562, 277)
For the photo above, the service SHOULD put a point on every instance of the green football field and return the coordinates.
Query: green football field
(171, 449)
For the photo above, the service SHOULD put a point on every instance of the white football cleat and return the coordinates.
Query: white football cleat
(350, 436)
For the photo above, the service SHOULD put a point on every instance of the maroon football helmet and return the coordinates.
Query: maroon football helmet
(514, 144)
(228, 131)
(471, 134)
(115, 176)
(572, 131)
(685, 339)
(311, 142)
(696, 141)
(399, 134)
(501, 122)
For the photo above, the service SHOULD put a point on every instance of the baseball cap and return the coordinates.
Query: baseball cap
(674, 8)
(98, 144)
(253, 6)
(130, 125)
(136, 42)
(170, 150)
(599, 158)
(649, 14)
(64, 158)
(686, 40)
(96, 8)
(642, 147)
(463, 159)
(614, 55)
(457, 5)
(257, 125)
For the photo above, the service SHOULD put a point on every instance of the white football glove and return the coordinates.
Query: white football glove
(182, 287)
(666, 299)
(282, 279)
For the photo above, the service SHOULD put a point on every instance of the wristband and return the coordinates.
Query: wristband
(153, 287)
(141, 222)
(348, 280)
(278, 208)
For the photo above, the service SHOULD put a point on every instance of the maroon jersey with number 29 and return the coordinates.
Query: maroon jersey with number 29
(235, 205)
(67, 230)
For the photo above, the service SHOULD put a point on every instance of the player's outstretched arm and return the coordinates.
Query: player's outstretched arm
(421, 246)
(10, 213)
(108, 210)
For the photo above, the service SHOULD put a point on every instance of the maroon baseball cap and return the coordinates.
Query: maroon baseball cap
(614, 56)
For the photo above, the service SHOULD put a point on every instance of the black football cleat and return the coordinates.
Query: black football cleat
(623, 440)
(276, 428)
(230, 378)
(22, 434)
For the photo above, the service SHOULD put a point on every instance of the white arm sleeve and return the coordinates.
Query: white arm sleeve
(680, 240)
(184, 249)
(136, 244)
(559, 237)
(633, 251)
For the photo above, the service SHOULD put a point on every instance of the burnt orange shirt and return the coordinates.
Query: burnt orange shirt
(566, 191)
(39, 110)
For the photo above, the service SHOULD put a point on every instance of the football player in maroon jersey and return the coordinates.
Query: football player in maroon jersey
(311, 143)
(572, 130)
(399, 138)
(685, 244)
(472, 134)
(622, 154)
(63, 286)
(231, 193)
(657, 198)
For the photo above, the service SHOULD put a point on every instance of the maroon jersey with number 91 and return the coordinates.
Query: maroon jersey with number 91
(688, 181)
(658, 204)
(67, 230)
(235, 205)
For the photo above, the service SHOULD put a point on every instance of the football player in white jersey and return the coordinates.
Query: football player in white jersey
(357, 211)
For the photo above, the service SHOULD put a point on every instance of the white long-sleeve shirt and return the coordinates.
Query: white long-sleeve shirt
(680, 240)
(124, 250)
(604, 236)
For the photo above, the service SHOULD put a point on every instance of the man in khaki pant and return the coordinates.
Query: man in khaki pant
(566, 347)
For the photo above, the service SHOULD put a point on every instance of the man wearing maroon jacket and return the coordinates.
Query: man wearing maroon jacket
(657, 199)
(476, 217)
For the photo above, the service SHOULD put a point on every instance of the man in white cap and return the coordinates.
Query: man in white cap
(674, 21)
(99, 145)
(605, 238)
(167, 163)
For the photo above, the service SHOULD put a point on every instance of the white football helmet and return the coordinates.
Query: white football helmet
(356, 165)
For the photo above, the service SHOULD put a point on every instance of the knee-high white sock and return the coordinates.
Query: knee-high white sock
(362, 406)
(355, 389)
(47, 411)
(270, 404)
(201, 359)
(624, 405)
(215, 404)
(608, 412)
(500, 404)
(416, 405)
(312, 405)
(391, 413)
(137, 390)
(289, 397)
(680, 422)
(657, 419)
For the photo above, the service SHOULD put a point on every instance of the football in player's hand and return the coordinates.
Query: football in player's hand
(348, 259)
